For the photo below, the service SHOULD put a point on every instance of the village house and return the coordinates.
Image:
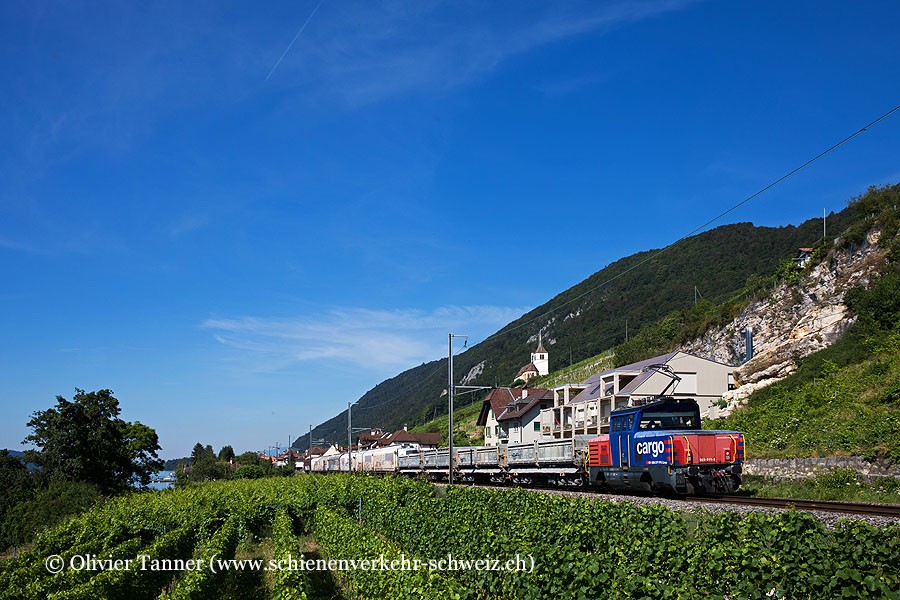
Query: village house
(373, 438)
(803, 256)
(512, 415)
(307, 455)
(286, 456)
(539, 365)
(379, 438)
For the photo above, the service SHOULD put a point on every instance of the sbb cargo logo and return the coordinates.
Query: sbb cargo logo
(652, 452)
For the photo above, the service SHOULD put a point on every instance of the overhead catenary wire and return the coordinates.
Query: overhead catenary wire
(391, 400)
(422, 382)
(699, 228)
(406, 392)
(440, 368)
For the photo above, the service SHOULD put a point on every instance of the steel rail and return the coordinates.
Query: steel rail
(856, 508)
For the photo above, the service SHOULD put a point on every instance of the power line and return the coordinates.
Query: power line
(440, 368)
(701, 227)
(422, 382)
(406, 392)
(393, 399)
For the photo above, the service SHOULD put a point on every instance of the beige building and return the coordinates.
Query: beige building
(527, 373)
(585, 408)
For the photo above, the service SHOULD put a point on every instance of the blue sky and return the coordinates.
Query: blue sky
(237, 243)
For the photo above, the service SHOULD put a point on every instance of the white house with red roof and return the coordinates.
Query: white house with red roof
(539, 365)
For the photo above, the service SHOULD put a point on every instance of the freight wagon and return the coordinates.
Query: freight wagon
(657, 446)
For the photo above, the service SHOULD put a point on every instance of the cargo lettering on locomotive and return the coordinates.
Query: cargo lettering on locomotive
(655, 448)
(653, 452)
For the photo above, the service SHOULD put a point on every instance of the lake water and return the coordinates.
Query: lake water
(162, 485)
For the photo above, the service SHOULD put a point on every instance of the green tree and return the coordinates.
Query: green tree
(226, 453)
(85, 440)
(250, 458)
(199, 453)
(205, 465)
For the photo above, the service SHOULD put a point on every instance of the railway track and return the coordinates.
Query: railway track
(827, 506)
(855, 508)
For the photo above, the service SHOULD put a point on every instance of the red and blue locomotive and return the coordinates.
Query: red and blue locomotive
(660, 446)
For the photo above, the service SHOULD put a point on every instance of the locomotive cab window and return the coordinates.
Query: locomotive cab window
(623, 423)
(669, 420)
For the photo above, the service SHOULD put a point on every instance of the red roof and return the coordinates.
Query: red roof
(427, 439)
(514, 411)
(500, 400)
(377, 437)
(401, 436)
(527, 368)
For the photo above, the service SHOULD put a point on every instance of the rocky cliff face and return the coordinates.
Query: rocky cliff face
(793, 322)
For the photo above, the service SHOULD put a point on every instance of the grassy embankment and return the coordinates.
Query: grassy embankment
(839, 484)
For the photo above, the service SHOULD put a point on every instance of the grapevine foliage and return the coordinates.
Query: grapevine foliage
(581, 548)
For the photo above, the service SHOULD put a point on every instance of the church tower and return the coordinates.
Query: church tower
(540, 359)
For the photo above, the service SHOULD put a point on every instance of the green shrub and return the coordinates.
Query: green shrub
(837, 479)
(249, 472)
(788, 272)
(51, 505)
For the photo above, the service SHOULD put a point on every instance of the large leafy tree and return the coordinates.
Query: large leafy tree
(85, 440)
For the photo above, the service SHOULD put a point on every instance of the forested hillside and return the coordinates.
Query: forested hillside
(719, 262)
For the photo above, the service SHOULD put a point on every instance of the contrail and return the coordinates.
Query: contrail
(288, 49)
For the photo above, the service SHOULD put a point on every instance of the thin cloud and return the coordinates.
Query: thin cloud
(186, 224)
(569, 85)
(371, 52)
(21, 247)
(372, 339)
(58, 243)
